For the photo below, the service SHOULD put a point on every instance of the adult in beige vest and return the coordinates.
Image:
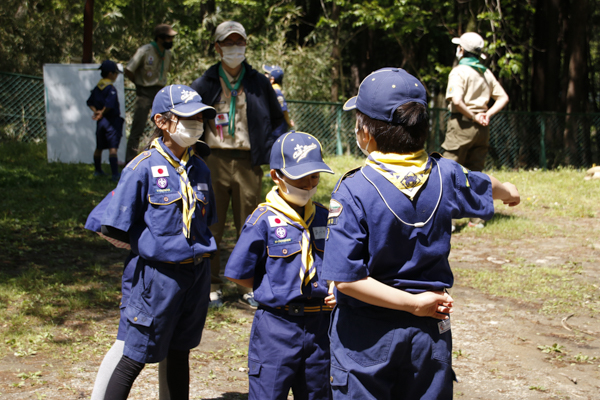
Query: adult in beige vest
(470, 87)
(148, 69)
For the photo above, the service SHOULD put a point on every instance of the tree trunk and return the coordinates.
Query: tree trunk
(88, 29)
(577, 75)
(546, 57)
(336, 54)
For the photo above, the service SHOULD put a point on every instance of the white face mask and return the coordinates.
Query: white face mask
(188, 132)
(296, 195)
(233, 55)
(364, 151)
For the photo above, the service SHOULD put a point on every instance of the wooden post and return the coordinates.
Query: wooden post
(88, 25)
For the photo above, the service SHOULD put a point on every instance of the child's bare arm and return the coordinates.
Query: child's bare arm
(426, 304)
(507, 192)
(249, 282)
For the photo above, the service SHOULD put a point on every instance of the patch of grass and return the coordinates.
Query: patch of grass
(555, 289)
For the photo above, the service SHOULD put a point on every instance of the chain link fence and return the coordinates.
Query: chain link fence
(517, 139)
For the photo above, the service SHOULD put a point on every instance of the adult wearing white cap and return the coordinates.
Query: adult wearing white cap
(470, 87)
(240, 137)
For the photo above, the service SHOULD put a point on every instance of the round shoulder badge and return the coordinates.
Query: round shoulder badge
(162, 183)
(281, 232)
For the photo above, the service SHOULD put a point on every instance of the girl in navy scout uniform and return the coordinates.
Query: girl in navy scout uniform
(387, 248)
(279, 254)
(162, 207)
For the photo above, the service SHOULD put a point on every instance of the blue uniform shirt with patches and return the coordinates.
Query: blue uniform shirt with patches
(273, 257)
(365, 238)
(108, 98)
(148, 204)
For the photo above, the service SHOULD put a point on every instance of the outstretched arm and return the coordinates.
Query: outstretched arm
(426, 304)
(507, 192)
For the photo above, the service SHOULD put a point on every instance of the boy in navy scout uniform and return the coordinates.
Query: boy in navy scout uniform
(104, 103)
(387, 248)
(163, 206)
(279, 254)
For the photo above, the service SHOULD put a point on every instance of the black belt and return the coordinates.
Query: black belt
(297, 309)
(195, 260)
(231, 153)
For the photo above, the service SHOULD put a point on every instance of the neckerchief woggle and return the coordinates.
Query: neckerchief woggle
(234, 93)
(187, 192)
(161, 56)
(104, 82)
(473, 63)
(284, 211)
(407, 172)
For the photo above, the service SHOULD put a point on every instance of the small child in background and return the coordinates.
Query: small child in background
(279, 254)
(104, 103)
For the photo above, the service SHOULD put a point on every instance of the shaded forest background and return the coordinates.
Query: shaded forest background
(546, 53)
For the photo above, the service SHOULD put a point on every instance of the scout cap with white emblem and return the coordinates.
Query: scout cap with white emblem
(298, 154)
(383, 91)
(181, 100)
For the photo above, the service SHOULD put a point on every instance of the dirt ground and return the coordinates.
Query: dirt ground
(495, 339)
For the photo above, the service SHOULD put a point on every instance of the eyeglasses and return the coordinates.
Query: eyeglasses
(229, 43)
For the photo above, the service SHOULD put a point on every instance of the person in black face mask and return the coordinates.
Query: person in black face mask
(148, 69)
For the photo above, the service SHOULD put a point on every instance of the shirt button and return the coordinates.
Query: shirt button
(316, 284)
(193, 237)
(284, 251)
(166, 199)
(134, 319)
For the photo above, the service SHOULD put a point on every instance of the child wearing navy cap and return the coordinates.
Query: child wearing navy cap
(104, 103)
(162, 207)
(279, 254)
(387, 248)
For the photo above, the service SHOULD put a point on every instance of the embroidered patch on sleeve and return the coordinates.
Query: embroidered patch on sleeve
(335, 209)
(160, 170)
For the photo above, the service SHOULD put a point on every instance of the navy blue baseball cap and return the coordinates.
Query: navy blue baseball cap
(275, 71)
(383, 91)
(298, 154)
(108, 66)
(180, 100)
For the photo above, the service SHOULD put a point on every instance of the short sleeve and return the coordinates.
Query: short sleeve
(135, 61)
(474, 191)
(456, 84)
(346, 248)
(249, 252)
(127, 205)
(496, 89)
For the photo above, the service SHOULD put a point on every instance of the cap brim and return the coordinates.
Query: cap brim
(188, 110)
(202, 149)
(350, 104)
(456, 40)
(303, 170)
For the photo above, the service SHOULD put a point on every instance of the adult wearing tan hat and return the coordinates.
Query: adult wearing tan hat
(470, 87)
(240, 137)
(148, 69)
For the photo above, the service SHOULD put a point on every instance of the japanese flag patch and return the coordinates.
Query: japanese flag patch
(274, 221)
(160, 170)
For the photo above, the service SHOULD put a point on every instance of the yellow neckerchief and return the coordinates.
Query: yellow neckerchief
(282, 209)
(408, 172)
(187, 193)
(104, 82)
(276, 86)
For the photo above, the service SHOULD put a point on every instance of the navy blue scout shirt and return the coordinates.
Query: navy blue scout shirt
(273, 257)
(108, 98)
(366, 239)
(148, 204)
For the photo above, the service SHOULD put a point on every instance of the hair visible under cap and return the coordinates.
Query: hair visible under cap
(407, 134)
